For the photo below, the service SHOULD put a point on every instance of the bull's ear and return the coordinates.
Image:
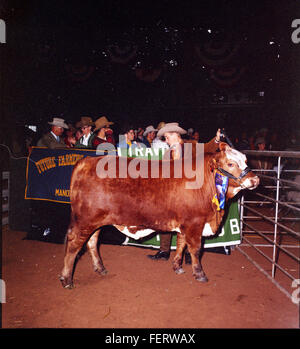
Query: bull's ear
(223, 146)
(213, 164)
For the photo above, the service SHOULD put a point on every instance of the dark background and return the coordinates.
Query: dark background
(204, 64)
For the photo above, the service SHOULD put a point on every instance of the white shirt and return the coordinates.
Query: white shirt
(159, 144)
(56, 137)
(85, 139)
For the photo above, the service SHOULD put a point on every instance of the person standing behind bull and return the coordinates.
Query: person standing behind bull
(172, 133)
(158, 143)
(149, 135)
(139, 136)
(103, 132)
(70, 139)
(126, 139)
(86, 140)
(53, 139)
(127, 144)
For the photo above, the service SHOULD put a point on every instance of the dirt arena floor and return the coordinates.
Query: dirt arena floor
(136, 292)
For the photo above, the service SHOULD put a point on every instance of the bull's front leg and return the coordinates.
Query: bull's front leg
(198, 271)
(177, 261)
(74, 243)
(193, 239)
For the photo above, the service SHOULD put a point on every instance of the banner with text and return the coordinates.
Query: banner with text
(49, 173)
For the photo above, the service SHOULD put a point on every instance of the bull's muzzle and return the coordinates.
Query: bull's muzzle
(250, 183)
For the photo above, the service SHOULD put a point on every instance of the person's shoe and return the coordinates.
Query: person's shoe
(187, 258)
(160, 255)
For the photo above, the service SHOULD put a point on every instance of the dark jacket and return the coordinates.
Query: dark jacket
(49, 141)
(78, 144)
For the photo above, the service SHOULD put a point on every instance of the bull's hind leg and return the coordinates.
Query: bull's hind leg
(177, 261)
(94, 252)
(74, 243)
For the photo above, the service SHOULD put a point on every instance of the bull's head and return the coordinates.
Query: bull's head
(233, 164)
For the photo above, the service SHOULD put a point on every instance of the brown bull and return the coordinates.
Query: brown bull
(140, 206)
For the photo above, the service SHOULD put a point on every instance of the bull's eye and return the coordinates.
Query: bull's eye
(230, 165)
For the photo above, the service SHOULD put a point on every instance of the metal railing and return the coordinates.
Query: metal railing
(270, 219)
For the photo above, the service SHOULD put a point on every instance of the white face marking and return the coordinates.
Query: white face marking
(207, 231)
(248, 184)
(239, 158)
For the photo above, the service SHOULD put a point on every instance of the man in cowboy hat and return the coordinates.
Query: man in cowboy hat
(53, 139)
(172, 133)
(158, 143)
(103, 133)
(149, 135)
(86, 140)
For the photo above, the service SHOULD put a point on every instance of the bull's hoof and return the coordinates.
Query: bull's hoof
(101, 272)
(66, 284)
(179, 271)
(201, 278)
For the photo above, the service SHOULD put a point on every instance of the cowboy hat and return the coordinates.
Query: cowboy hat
(161, 125)
(101, 122)
(58, 122)
(149, 129)
(85, 121)
(171, 127)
